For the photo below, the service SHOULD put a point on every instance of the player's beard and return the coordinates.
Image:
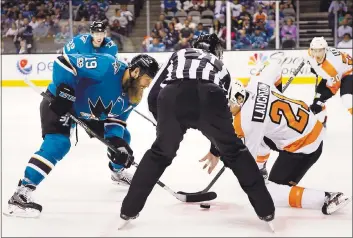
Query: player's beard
(134, 91)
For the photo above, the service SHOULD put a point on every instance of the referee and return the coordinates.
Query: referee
(190, 91)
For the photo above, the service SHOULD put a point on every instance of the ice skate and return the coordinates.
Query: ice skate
(334, 202)
(120, 177)
(21, 203)
(124, 220)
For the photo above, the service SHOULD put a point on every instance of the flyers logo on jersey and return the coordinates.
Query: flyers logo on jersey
(261, 102)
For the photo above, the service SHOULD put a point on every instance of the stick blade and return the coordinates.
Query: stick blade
(200, 197)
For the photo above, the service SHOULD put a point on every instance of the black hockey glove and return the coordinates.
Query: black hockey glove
(124, 155)
(317, 106)
(214, 150)
(64, 99)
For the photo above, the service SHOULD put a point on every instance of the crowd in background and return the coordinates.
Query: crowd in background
(252, 24)
(180, 22)
(25, 21)
(344, 11)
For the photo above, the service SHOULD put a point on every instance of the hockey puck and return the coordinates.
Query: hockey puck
(205, 205)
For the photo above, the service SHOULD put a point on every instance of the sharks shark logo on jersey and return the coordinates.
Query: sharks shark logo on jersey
(84, 38)
(110, 44)
(98, 110)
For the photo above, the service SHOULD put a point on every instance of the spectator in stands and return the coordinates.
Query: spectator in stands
(216, 28)
(123, 22)
(63, 36)
(244, 15)
(156, 45)
(82, 12)
(41, 30)
(247, 26)
(162, 20)
(192, 24)
(243, 40)
(12, 32)
(171, 6)
(19, 21)
(126, 13)
(260, 15)
(103, 5)
(183, 44)
(193, 5)
(34, 24)
(200, 31)
(26, 33)
(346, 42)
(288, 11)
(114, 33)
(186, 33)
(258, 39)
(288, 34)
(337, 5)
(157, 27)
(344, 28)
(172, 36)
(220, 9)
(177, 25)
(210, 4)
(23, 46)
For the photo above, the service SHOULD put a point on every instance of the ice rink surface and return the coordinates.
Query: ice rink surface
(79, 198)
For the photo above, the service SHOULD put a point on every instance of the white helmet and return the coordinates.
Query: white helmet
(318, 43)
(318, 49)
(236, 89)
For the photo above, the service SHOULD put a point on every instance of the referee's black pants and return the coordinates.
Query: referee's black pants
(202, 106)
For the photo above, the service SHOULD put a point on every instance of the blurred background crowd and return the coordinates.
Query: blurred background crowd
(44, 26)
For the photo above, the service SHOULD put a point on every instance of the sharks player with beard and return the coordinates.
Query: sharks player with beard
(98, 89)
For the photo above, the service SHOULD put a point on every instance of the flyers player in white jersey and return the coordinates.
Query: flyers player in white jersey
(335, 68)
(261, 111)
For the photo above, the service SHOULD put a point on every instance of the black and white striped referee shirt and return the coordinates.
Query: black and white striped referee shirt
(189, 64)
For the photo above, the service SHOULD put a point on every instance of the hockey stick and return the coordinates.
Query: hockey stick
(145, 117)
(293, 76)
(181, 197)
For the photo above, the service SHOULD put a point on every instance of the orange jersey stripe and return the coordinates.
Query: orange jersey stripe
(237, 125)
(329, 69)
(295, 196)
(262, 158)
(305, 140)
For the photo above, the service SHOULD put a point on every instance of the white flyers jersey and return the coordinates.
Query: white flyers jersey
(287, 122)
(335, 66)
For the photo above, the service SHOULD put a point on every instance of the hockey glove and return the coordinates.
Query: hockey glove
(317, 106)
(124, 155)
(64, 99)
(214, 151)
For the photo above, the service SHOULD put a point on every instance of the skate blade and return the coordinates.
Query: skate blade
(340, 206)
(122, 224)
(15, 211)
(272, 227)
(121, 184)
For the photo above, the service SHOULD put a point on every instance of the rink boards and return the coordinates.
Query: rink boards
(241, 65)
